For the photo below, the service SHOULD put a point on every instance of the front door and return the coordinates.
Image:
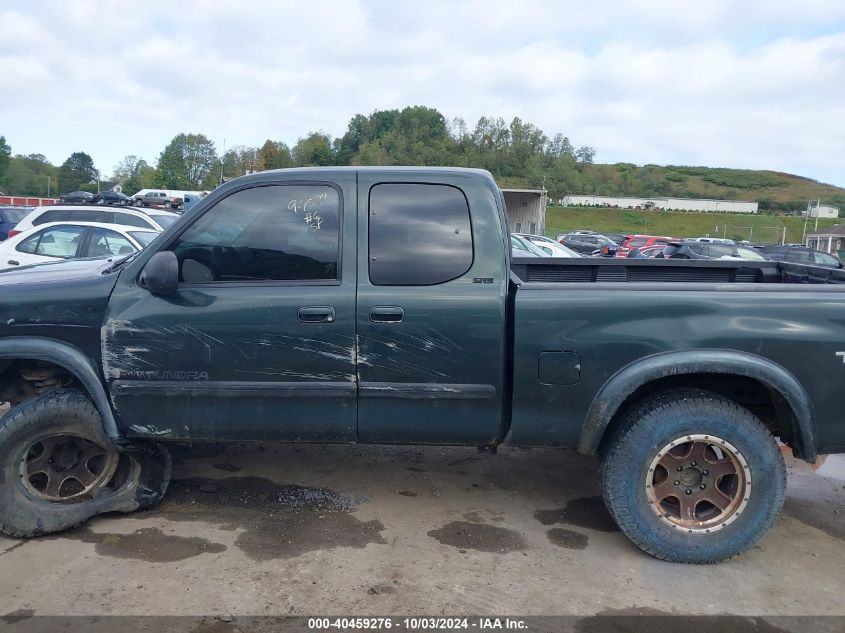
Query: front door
(259, 343)
(431, 311)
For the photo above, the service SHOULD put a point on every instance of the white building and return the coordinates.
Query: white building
(821, 211)
(830, 240)
(526, 210)
(675, 204)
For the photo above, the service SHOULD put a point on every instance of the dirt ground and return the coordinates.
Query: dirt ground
(272, 530)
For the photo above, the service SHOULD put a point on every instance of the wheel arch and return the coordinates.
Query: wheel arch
(73, 360)
(792, 405)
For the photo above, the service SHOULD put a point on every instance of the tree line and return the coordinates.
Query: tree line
(517, 153)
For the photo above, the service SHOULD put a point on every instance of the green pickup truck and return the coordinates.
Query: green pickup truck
(382, 306)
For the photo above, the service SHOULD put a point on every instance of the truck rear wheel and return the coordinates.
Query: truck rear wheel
(58, 469)
(692, 477)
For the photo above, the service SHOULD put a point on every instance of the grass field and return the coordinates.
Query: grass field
(756, 228)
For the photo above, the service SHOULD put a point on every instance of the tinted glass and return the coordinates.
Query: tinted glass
(127, 219)
(143, 237)
(420, 234)
(29, 244)
(13, 215)
(720, 250)
(91, 215)
(826, 260)
(285, 232)
(163, 220)
(60, 241)
(698, 249)
(105, 243)
(51, 216)
(636, 242)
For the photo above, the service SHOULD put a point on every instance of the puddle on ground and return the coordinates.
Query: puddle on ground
(277, 521)
(833, 467)
(147, 544)
(588, 512)
(567, 539)
(484, 538)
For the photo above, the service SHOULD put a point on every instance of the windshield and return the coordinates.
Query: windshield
(164, 220)
(143, 237)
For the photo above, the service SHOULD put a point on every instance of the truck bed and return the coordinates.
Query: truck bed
(623, 270)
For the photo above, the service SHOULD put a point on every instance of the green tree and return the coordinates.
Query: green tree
(188, 162)
(314, 150)
(31, 175)
(135, 174)
(240, 160)
(5, 157)
(76, 171)
(274, 155)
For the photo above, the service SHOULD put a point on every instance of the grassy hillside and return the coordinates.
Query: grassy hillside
(772, 190)
(732, 225)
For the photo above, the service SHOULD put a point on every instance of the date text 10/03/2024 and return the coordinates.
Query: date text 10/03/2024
(417, 623)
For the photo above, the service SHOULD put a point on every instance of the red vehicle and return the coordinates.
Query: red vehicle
(641, 242)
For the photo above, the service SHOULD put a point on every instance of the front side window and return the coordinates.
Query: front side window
(127, 219)
(57, 241)
(826, 260)
(420, 234)
(105, 243)
(279, 233)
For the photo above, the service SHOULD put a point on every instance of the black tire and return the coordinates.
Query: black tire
(635, 446)
(137, 479)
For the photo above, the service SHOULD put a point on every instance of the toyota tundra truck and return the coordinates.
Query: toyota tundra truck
(382, 306)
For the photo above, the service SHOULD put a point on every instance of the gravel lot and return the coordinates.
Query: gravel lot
(273, 530)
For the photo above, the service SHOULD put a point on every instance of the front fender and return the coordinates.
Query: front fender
(73, 360)
(727, 362)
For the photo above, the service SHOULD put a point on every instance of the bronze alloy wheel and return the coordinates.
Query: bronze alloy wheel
(67, 468)
(698, 483)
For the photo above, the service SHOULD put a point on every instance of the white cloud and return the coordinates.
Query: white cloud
(746, 84)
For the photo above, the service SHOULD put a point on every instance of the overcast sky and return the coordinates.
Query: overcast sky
(741, 84)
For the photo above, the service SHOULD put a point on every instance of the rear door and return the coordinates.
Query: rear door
(431, 310)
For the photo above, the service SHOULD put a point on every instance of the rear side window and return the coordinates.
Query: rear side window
(420, 234)
(91, 215)
(127, 219)
(720, 250)
(637, 242)
(51, 216)
(280, 232)
(58, 241)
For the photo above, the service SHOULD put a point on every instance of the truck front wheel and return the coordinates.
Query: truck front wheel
(58, 469)
(692, 477)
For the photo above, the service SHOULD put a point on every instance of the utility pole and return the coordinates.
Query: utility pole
(806, 217)
(221, 161)
(818, 204)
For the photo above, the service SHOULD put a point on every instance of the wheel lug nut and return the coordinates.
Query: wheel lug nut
(702, 486)
(677, 483)
(693, 464)
(680, 468)
(705, 472)
(689, 492)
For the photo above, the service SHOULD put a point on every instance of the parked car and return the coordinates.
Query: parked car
(78, 240)
(548, 245)
(9, 219)
(751, 254)
(148, 219)
(648, 252)
(584, 243)
(77, 197)
(246, 324)
(111, 197)
(640, 241)
(693, 249)
(523, 248)
(801, 255)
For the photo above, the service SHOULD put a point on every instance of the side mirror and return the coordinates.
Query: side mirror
(161, 274)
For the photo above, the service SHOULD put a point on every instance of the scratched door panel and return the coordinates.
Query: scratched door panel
(240, 359)
(430, 355)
